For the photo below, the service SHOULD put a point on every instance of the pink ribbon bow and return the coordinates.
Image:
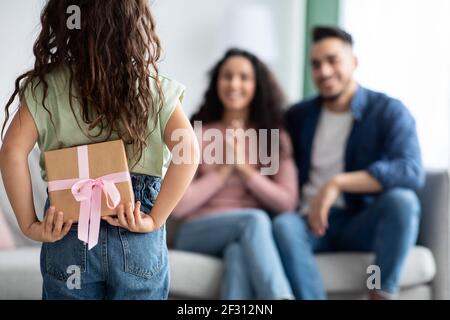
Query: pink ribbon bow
(89, 193)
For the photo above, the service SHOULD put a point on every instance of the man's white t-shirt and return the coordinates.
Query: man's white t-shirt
(328, 154)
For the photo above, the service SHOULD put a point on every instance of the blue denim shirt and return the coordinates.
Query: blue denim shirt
(383, 141)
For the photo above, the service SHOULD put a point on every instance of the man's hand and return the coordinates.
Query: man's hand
(351, 182)
(134, 221)
(320, 207)
(51, 229)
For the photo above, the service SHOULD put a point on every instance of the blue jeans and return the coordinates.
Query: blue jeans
(389, 228)
(123, 265)
(243, 237)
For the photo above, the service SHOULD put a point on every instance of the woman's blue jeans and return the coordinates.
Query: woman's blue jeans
(243, 237)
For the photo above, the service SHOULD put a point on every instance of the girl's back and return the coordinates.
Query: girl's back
(63, 126)
(96, 83)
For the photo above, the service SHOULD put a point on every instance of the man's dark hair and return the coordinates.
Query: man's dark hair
(323, 32)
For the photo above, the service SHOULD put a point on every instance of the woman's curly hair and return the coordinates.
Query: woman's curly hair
(266, 107)
(111, 59)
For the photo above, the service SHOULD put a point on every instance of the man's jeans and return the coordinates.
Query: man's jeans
(389, 228)
(243, 237)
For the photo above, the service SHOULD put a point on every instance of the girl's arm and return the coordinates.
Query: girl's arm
(20, 139)
(178, 176)
(177, 179)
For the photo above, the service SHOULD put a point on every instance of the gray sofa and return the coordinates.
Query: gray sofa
(425, 276)
(193, 276)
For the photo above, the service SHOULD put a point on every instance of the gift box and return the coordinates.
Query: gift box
(87, 182)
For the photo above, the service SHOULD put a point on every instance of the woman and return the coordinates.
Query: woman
(225, 208)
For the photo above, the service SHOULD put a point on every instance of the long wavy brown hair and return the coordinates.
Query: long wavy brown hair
(111, 59)
(266, 109)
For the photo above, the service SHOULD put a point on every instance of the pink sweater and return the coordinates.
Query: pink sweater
(209, 193)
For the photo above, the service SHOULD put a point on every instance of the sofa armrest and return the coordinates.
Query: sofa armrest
(435, 228)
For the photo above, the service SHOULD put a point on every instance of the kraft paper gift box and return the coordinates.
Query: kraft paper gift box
(87, 182)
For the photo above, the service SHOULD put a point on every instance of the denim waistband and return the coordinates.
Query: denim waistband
(146, 188)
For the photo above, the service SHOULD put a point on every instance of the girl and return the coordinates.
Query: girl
(225, 207)
(94, 84)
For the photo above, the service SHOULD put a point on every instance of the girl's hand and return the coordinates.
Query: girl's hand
(51, 229)
(134, 221)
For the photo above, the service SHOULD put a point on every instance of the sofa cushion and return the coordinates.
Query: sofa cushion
(346, 272)
(420, 292)
(20, 275)
(194, 276)
(198, 276)
(6, 238)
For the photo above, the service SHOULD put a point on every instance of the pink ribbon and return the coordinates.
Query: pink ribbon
(89, 193)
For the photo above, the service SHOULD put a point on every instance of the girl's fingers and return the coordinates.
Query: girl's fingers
(66, 228)
(121, 217)
(112, 221)
(48, 221)
(137, 213)
(58, 225)
(130, 216)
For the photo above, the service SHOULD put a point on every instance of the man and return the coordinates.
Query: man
(359, 163)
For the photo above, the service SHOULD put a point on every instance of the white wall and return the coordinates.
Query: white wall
(190, 29)
(408, 57)
(188, 32)
(19, 26)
